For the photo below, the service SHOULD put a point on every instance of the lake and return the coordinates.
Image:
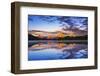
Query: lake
(54, 50)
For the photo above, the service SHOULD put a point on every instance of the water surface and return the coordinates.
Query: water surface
(53, 50)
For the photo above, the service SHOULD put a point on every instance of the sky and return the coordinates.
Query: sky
(52, 23)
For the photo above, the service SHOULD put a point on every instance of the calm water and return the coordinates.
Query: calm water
(50, 50)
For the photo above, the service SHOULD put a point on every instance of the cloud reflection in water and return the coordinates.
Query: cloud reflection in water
(56, 50)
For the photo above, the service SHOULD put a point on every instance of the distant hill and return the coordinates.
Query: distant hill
(57, 34)
(31, 37)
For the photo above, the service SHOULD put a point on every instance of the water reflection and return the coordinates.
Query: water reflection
(56, 50)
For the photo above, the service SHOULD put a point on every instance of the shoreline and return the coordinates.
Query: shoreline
(58, 41)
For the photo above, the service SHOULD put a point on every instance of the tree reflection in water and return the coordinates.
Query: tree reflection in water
(57, 50)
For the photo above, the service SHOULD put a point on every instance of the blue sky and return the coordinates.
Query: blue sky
(39, 22)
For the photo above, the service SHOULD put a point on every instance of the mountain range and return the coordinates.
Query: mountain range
(57, 34)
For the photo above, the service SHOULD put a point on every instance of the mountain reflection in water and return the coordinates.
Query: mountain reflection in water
(56, 50)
